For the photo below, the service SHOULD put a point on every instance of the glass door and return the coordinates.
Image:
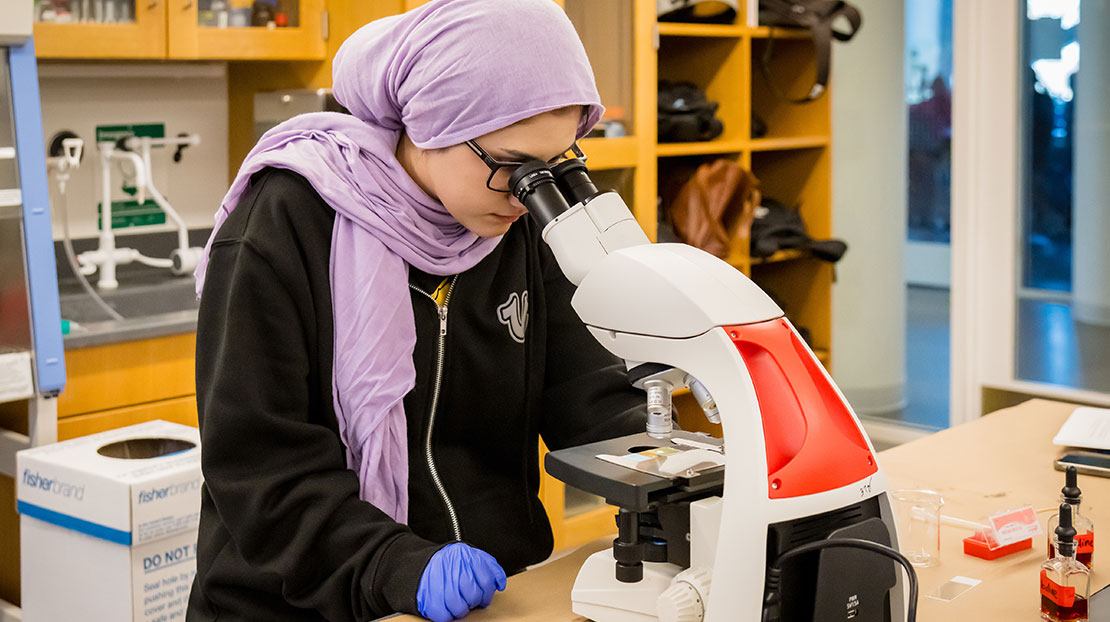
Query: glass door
(1031, 219)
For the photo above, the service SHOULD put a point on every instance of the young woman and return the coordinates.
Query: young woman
(383, 336)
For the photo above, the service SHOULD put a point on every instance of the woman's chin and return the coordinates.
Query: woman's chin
(490, 227)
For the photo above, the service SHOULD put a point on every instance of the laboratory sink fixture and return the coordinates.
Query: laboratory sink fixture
(151, 305)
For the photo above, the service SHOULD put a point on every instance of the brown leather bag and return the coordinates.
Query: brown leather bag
(715, 207)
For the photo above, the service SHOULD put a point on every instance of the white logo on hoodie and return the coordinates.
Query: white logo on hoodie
(514, 314)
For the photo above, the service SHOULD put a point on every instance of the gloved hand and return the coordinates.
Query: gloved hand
(457, 579)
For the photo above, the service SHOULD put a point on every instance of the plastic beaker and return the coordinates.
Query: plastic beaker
(917, 514)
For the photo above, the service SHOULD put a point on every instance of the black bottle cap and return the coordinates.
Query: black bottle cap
(1065, 533)
(1071, 490)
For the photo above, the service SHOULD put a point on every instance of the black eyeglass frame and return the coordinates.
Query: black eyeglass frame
(495, 165)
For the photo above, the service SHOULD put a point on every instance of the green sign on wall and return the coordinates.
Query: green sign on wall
(132, 214)
(112, 133)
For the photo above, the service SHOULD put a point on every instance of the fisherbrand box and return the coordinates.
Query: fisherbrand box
(108, 524)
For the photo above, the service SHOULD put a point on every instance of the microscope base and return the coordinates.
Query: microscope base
(598, 595)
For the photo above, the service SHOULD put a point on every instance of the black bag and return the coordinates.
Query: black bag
(817, 16)
(685, 114)
(777, 227)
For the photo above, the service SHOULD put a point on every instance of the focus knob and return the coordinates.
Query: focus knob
(685, 599)
(680, 603)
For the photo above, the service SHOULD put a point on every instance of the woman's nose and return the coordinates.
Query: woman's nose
(517, 205)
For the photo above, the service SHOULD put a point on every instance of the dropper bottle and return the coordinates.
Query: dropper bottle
(1065, 583)
(1084, 527)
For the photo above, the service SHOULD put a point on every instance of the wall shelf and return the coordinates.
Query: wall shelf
(674, 29)
(708, 147)
(824, 356)
(780, 256)
(764, 32)
(791, 142)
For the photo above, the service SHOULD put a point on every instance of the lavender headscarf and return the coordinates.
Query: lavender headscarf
(446, 72)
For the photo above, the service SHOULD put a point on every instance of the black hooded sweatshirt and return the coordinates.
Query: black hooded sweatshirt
(283, 533)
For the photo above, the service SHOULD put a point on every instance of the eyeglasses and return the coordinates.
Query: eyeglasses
(500, 172)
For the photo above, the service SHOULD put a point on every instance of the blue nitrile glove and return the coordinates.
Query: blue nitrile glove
(457, 579)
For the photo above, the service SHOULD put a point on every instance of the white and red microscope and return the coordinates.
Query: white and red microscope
(795, 523)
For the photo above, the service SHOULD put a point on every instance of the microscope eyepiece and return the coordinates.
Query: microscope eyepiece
(573, 179)
(533, 185)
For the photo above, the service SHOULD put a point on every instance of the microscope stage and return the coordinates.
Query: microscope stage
(627, 487)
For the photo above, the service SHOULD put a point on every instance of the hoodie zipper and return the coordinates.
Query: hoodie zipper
(440, 356)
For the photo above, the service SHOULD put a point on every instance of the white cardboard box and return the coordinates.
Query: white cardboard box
(107, 537)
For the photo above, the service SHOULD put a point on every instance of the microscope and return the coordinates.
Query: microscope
(784, 519)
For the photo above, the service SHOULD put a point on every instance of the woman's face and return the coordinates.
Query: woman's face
(457, 176)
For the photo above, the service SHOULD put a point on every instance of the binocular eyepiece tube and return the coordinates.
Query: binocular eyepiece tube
(574, 181)
(580, 225)
(547, 192)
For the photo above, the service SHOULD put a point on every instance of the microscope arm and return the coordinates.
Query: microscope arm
(628, 285)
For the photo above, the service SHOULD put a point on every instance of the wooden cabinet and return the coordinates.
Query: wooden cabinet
(145, 38)
(107, 377)
(792, 160)
(170, 29)
(121, 384)
(181, 410)
(188, 40)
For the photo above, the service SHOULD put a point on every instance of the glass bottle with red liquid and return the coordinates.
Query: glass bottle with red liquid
(1084, 527)
(1065, 583)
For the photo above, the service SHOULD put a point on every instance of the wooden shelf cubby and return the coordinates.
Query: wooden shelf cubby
(793, 66)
